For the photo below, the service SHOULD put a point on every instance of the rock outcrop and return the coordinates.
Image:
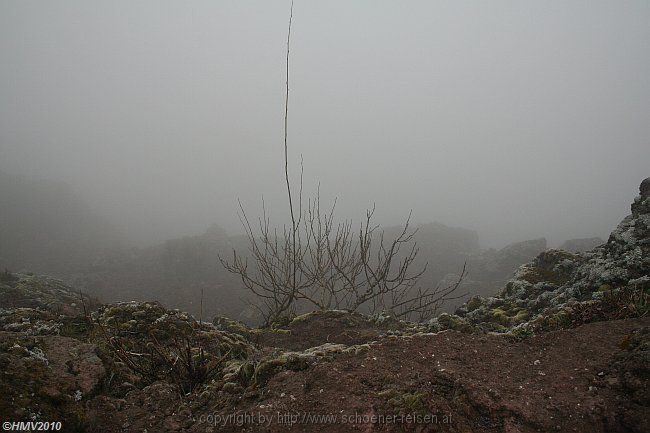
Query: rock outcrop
(559, 287)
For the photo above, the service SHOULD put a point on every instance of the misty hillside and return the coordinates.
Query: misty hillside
(46, 228)
(176, 272)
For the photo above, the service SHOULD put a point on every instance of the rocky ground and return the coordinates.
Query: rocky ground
(565, 346)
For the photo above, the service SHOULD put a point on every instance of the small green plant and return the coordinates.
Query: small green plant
(521, 332)
(405, 402)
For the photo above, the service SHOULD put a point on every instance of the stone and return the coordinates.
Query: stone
(644, 188)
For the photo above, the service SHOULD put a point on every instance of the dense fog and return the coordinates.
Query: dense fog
(129, 131)
(517, 120)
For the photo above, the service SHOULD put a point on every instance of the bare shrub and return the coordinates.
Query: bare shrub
(329, 265)
(158, 344)
(182, 360)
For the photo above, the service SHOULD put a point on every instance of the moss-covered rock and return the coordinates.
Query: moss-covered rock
(232, 326)
(474, 302)
(450, 321)
(297, 361)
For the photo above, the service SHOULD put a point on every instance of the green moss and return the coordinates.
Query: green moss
(281, 322)
(302, 318)
(297, 361)
(405, 401)
(520, 316)
(559, 320)
(231, 387)
(232, 326)
(474, 303)
(246, 373)
(522, 332)
(509, 316)
(267, 369)
(499, 315)
(452, 321)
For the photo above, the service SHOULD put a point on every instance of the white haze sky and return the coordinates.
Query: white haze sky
(518, 119)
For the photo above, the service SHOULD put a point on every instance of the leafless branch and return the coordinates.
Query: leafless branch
(325, 265)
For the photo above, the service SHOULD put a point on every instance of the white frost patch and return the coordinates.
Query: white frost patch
(38, 354)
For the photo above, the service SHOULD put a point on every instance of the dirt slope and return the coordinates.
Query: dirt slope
(568, 380)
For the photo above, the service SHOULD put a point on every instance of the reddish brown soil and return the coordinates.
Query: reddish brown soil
(325, 327)
(568, 380)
